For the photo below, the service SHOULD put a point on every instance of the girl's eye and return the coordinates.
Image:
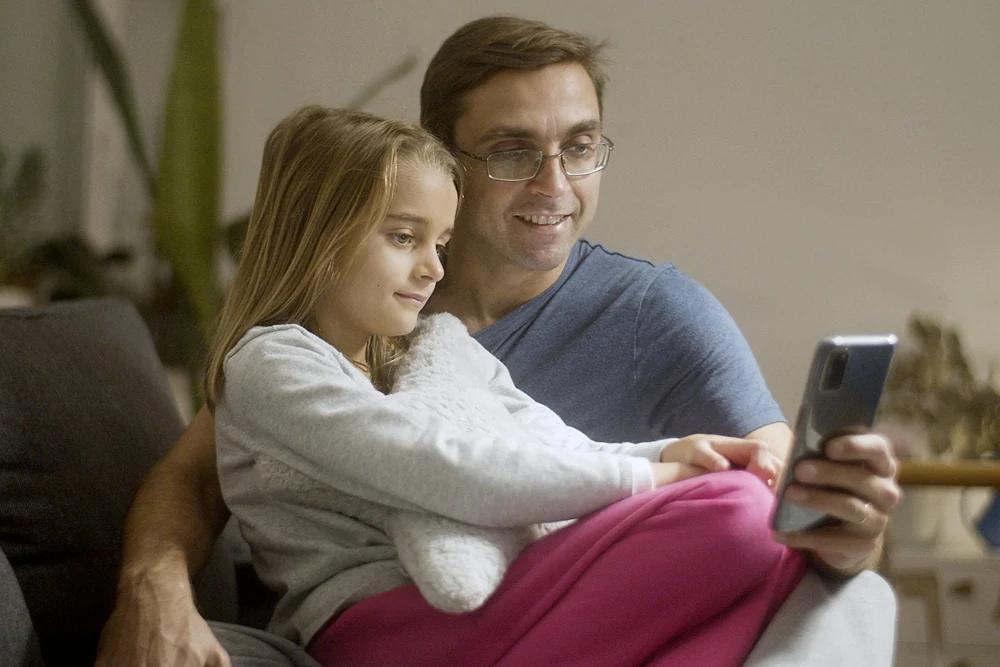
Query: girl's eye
(442, 250)
(401, 239)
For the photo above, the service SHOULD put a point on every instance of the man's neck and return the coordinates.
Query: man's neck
(480, 292)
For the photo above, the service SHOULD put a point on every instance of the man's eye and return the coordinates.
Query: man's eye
(580, 150)
(401, 239)
(514, 154)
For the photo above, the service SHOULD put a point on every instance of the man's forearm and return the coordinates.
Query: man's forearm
(174, 520)
(870, 562)
(177, 513)
(777, 436)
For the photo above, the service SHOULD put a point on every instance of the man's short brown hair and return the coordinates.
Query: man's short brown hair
(480, 49)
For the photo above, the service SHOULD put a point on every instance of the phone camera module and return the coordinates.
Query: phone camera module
(833, 372)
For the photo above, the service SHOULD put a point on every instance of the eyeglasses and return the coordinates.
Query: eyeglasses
(524, 164)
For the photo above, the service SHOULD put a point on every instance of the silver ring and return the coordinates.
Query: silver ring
(868, 513)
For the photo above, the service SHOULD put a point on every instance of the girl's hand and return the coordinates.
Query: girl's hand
(715, 453)
(668, 473)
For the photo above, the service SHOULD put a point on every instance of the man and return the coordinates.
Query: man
(621, 349)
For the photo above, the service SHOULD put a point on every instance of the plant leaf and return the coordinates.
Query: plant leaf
(110, 62)
(185, 211)
(391, 75)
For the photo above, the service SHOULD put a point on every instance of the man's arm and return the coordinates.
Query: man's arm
(174, 520)
(777, 436)
(856, 484)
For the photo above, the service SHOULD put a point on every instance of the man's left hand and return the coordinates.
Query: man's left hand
(855, 484)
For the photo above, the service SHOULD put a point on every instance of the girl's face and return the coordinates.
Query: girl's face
(397, 267)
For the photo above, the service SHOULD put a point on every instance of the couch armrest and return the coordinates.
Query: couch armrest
(85, 411)
(19, 647)
(830, 623)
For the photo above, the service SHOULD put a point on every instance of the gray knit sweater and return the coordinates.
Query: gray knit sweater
(306, 445)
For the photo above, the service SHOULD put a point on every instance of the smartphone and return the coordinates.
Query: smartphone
(843, 390)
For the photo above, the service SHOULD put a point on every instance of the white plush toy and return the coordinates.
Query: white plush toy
(456, 566)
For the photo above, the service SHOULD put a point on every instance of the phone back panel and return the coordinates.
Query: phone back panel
(843, 389)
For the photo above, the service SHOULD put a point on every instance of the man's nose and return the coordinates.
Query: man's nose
(551, 179)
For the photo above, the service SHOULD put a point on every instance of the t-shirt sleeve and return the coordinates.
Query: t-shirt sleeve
(694, 371)
(293, 402)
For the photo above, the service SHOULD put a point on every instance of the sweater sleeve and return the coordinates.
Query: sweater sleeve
(293, 398)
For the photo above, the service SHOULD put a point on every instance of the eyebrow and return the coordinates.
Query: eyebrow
(418, 219)
(515, 132)
(408, 217)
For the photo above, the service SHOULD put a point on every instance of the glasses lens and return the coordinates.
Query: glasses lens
(523, 165)
(513, 165)
(585, 159)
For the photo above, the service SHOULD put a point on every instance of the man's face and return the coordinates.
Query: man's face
(528, 225)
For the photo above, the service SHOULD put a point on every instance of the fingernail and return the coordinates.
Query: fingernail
(807, 471)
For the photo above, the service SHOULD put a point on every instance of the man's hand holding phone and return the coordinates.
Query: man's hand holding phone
(855, 484)
(840, 486)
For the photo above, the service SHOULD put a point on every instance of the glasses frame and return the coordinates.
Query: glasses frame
(562, 163)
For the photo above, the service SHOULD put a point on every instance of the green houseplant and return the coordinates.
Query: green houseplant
(38, 262)
(183, 188)
(184, 185)
(20, 199)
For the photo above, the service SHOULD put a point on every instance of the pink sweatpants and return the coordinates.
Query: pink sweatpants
(684, 575)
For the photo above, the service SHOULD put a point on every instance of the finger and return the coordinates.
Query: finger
(765, 460)
(740, 451)
(872, 449)
(762, 466)
(859, 517)
(850, 479)
(705, 456)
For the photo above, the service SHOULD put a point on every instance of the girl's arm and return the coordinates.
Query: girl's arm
(291, 397)
(698, 452)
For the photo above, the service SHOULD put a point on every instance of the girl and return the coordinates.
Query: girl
(358, 460)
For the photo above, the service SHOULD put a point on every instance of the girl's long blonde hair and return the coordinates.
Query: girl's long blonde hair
(326, 184)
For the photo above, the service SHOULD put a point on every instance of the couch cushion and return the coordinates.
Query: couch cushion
(19, 646)
(85, 410)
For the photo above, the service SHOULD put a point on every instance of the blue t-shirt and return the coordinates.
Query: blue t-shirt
(627, 351)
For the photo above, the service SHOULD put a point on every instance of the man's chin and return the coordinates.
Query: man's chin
(551, 255)
(543, 262)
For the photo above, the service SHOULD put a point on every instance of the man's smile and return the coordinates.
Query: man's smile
(543, 220)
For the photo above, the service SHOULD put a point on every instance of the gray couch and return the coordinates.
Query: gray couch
(85, 410)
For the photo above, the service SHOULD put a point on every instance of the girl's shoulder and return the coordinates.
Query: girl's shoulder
(262, 338)
(278, 342)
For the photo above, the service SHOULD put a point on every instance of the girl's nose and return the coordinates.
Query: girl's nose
(433, 269)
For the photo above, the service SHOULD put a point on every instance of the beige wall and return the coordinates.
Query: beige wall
(822, 167)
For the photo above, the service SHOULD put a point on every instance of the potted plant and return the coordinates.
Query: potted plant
(184, 186)
(935, 407)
